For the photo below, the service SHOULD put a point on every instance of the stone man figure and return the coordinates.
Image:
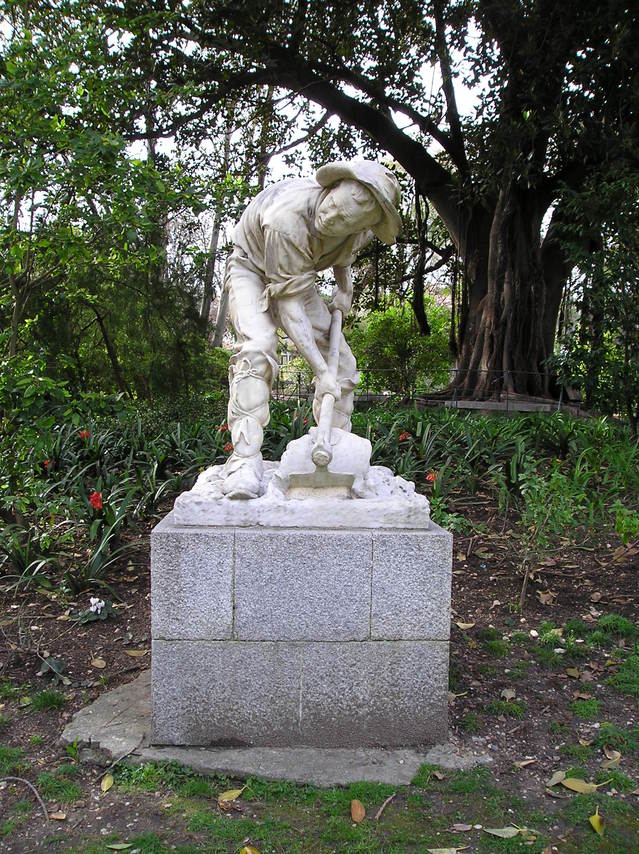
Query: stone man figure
(287, 234)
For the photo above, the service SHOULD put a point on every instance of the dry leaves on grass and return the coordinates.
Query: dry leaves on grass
(358, 811)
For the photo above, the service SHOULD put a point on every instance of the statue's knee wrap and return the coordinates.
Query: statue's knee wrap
(250, 378)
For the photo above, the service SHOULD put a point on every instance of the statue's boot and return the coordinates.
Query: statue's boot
(243, 476)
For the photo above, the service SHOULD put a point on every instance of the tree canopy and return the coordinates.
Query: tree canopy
(555, 92)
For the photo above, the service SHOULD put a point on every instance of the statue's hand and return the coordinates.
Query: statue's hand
(327, 384)
(341, 300)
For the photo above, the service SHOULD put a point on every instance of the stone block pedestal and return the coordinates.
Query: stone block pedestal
(290, 637)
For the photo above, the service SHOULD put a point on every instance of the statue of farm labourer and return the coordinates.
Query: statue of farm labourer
(287, 234)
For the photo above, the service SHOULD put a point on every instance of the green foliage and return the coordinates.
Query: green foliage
(49, 698)
(610, 735)
(603, 358)
(586, 709)
(508, 708)
(60, 785)
(470, 722)
(626, 679)
(10, 760)
(393, 356)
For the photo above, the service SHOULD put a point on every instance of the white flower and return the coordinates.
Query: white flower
(96, 605)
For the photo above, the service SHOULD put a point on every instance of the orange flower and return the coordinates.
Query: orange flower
(96, 500)
(46, 463)
(432, 476)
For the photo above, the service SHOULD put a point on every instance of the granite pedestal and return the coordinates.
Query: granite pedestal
(284, 636)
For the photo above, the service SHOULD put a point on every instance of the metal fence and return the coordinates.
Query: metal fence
(297, 387)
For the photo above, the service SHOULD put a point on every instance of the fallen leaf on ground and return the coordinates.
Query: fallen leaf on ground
(575, 784)
(494, 605)
(556, 794)
(524, 762)
(24, 701)
(546, 597)
(508, 694)
(596, 596)
(249, 849)
(597, 822)
(557, 777)
(613, 758)
(464, 626)
(503, 832)
(358, 811)
(446, 850)
(438, 774)
(461, 828)
(136, 653)
(572, 672)
(100, 663)
(58, 816)
(119, 846)
(107, 782)
(230, 795)
(581, 695)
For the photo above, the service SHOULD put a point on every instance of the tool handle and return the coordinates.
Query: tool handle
(321, 453)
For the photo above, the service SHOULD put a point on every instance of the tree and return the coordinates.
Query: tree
(559, 97)
(600, 339)
(393, 356)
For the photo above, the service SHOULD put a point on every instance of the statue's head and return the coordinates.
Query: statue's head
(362, 195)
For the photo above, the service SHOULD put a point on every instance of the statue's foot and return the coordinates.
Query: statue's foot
(243, 477)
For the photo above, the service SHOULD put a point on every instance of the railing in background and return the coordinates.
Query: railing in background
(297, 387)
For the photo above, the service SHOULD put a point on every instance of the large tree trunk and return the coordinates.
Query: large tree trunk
(503, 313)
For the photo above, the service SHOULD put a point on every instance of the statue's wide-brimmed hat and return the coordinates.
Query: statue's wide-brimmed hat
(379, 180)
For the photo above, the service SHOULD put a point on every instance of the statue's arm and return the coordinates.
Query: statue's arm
(343, 293)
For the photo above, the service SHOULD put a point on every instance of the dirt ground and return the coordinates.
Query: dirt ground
(518, 691)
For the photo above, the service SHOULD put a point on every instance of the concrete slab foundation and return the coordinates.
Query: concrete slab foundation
(119, 723)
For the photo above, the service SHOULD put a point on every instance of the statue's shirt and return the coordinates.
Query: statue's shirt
(276, 233)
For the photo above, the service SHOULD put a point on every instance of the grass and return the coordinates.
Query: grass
(59, 786)
(586, 709)
(470, 722)
(507, 708)
(11, 760)
(492, 642)
(626, 740)
(580, 752)
(626, 679)
(49, 698)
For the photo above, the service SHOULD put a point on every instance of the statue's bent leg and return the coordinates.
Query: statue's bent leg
(251, 372)
(347, 375)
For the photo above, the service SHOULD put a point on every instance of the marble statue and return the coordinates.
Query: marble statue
(288, 233)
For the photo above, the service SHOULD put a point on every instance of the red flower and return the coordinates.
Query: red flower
(404, 436)
(46, 463)
(222, 427)
(228, 447)
(432, 476)
(96, 500)
(305, 420)
(83, 434)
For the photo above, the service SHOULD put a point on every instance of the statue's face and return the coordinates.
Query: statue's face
(347, 208)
